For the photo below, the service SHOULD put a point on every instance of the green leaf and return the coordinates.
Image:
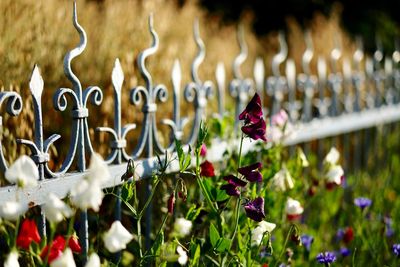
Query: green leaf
(184, 159)
(224, 244)
(127, 191)
(202, 135)
(195, 254)
(155, 249)
(131, 208)
(193, 212)
(214, 235)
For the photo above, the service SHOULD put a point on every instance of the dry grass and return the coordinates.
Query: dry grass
(41, 32)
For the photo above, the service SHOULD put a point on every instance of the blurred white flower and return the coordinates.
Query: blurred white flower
(303, 158)
(12, 259)
(93, 261)
(293, 207)
(86, 195)
(65, 260)
(182, 227)
(282, 180)
(117, 237)
(334, 174)
(258, 233)
(332, 157)
(183, 257)
(23, 172)
(98, 170)
(12, 210)
(56, 209)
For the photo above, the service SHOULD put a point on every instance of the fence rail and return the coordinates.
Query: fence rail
(345, 100)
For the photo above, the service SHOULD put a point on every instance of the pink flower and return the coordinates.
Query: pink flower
(280, 118)
(203, 150)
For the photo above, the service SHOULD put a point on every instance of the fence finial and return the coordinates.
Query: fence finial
(278, 59)
(336, 53)
(358, 54)
(241, 57)
(308, 53)
(200, 54)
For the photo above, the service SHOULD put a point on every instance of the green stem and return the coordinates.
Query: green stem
(16, 233)
(140, 215)
(139, 233)
(292, 227)
(50, 243)
(69, 231)
(206, 195)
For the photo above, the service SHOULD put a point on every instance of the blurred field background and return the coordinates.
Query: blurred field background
(41, 32)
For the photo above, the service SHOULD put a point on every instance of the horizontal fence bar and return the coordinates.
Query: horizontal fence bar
(302, 132)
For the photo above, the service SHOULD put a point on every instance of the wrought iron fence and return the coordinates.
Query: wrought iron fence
(321, 105)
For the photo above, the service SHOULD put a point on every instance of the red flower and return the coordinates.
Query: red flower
(57, 247)
(171, 203)
(253, 111)
(207, 169)
(27, 234)
(348, 235)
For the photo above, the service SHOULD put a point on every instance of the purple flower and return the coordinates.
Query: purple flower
(326, 257)
(256, 130)
(339, 234)
(233, 183)
(253, 111)
(255, 209)
(389, 229)
(396, 249)
(251, 172)
(362, 202)
(345, 252)
(307, 240)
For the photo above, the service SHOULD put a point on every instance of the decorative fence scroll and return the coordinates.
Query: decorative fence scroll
(355, 96)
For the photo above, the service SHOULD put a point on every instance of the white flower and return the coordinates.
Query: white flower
(98, 170)
(23, 172)
(282, 180)
(334, 175)
(85, 195)
(258, 233)
(56, 209)
(303, 158)
(293, 207)
(12, 210)
(93, 261)
(183, 257)
(12, 259)
(65, 260)
(182, 227)
(332, 157)
(117, 237)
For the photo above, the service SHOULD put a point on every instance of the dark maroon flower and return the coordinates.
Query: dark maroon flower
(253, 111)
(207, 169)
(233, 183)
(348, 235)
(255, 209)
(251, 172)
(255, 130)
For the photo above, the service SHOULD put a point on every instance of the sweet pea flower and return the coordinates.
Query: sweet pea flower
(12, 259)
(334, 175)
(280, 118)
(12, 210)
(66, 259)
(55, 209)
(293, 209)
(182, 227)
(258, 233)
(282, 180)
(98, 170)
(23, 172)
(93, 261)
(85, 195)
(117, 237)
(183, 257)
(251, 172)
(303, 158)
(207, 169)
(255, 209)
(233, 183)
(28, 234)
(253, 111)
(332, 157)
(57, 247)
(171, 203)
(326, 257)
(256, 130)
